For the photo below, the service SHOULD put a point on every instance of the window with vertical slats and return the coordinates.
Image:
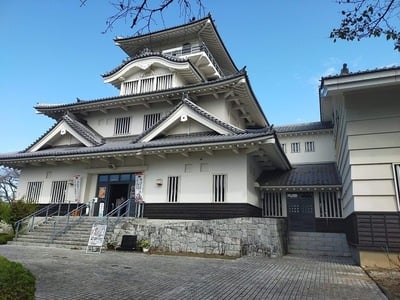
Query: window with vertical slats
(146, 85)
(122, 126)
(173, 189)
(272, 204)
(219, 188)
(164, 82)
(330, 206)
(150, 119)
(58, 191)
(33, 191)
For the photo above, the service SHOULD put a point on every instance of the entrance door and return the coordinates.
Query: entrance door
(111, 187)
(300, 208)
(117, 190)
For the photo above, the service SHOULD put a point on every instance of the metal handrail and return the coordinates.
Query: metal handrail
(116, 212)
(31, 218)
(78, 211)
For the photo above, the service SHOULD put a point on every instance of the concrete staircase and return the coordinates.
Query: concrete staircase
(318, 244)
(75, 238)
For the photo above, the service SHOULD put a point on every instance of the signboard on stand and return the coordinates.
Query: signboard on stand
(96, 238)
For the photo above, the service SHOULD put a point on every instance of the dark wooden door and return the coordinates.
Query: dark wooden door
(300, 211)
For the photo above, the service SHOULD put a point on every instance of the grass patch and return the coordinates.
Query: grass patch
(16, 282)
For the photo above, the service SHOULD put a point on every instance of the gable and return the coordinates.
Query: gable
(61, 135)
(186, 127)
(189, 118)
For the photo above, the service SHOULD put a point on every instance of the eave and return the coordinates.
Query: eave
(239, 83)
(237, 144)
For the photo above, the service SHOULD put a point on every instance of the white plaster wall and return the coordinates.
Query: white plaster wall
(66, 139)
(104, 123)
(196, 174)
(47, 175)
(324, 148)
(190, 126)
(217, 107)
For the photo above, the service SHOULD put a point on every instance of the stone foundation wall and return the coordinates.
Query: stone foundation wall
(230, 237)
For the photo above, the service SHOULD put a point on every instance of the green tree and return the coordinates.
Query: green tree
(368, 18)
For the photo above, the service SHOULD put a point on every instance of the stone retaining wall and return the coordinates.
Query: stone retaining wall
(230, 237)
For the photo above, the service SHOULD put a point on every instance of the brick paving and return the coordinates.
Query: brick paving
(73, 274)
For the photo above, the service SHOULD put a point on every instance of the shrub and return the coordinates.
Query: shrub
(16, 282)
(5, 237)
(16, 210)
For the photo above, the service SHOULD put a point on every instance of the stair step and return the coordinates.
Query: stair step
(318, 243)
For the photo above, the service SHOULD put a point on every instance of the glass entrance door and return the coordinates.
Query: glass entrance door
(110, 188)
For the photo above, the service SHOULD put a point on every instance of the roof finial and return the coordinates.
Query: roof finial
(344, 70)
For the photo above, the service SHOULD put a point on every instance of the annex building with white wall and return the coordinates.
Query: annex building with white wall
(187, 135)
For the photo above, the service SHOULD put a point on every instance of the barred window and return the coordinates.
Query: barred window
(309, 146)
(219, 188)
(172, 188)
(146, 85)
(150, 119)
(295, 147)
(58, 191)
(283, 147)
(272, 204)
(164, 82)
(131, 87)
(330, 206)
(33, 191)
(122, 126)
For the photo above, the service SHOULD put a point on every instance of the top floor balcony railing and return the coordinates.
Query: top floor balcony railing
(194, 49)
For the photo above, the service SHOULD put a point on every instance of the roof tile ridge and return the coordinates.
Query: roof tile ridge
(83, 129)
(166, 116)
(212, 117)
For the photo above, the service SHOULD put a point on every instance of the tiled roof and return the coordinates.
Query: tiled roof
(42, 107)
(362, 72)
(127, 145)
(311, 126)
(302, 175)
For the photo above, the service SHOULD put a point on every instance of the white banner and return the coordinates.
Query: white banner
(77, 188)
(139, 179)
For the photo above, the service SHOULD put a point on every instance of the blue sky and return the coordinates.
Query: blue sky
(54, 51)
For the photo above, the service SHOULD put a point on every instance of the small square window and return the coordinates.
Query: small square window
(122, 126)
(309, 146)
(295, 147)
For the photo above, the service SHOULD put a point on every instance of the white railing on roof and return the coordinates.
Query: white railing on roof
(192, 50)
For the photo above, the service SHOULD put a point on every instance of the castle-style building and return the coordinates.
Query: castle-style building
(187, 136)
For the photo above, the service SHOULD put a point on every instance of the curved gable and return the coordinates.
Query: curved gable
(155, 65)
